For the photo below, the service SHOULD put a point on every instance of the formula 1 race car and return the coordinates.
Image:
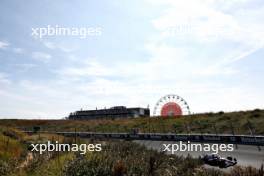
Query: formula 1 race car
(217, 161)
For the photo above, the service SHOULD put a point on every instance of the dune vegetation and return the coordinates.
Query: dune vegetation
(117, 158)
(243, 122)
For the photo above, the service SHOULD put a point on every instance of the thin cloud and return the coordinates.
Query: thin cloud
(4, 80)
(208, 21)
(59, 46)
(41, 56)
(25, 66)
(245, 54)
(88, 69)
(4, 45)
(190, 48)
(19, 50)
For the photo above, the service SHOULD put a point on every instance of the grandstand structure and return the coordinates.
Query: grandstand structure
(113, 112)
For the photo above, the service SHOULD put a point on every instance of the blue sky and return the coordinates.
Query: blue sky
(210, 52)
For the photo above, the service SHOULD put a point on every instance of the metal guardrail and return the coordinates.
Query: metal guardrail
(210, 138)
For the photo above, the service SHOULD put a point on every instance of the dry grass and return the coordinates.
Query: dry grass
(195, 123)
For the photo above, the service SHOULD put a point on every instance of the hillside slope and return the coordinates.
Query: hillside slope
(238, 122)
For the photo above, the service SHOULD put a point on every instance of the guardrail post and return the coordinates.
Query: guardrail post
(187, 128)
(233, 133)
(215, 129)
(75, 136)
(252, 132)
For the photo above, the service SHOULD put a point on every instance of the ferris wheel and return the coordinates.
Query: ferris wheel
(171, 105)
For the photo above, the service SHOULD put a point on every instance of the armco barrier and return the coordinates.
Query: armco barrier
(210, 138)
